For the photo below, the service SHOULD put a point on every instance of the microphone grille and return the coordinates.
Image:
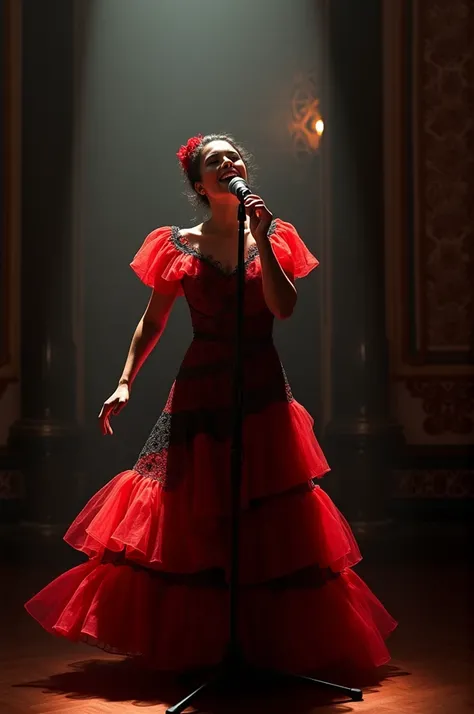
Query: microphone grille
(237, 183)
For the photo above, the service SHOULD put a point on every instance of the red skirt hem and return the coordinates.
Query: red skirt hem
(178, 627)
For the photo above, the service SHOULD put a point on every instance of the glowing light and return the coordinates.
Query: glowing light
(306, 125)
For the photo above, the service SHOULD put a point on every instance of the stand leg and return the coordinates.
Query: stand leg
(355, 694)
(237, 675)
(184, 703)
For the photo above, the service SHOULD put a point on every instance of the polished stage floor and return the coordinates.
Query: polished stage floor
(422, 574)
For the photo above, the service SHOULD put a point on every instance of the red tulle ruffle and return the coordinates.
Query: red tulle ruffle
(178, 627)
(292, 254)
(160, 265)
(134, 515)
(280, 453)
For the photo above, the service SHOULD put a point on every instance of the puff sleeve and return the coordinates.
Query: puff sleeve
(292, 254)
(159, 264)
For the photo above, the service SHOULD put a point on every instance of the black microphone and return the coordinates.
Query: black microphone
(239, 188)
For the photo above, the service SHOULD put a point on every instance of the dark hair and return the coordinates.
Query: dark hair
(193, 172)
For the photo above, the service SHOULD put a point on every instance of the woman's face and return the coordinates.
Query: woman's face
(220, 162)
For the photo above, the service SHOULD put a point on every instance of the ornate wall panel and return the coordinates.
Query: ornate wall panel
(435, 483)
(429, 119)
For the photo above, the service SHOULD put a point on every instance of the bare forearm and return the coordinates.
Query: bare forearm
(278, 290)
(144, 340)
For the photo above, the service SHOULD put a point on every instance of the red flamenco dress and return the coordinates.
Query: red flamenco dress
(155, 584)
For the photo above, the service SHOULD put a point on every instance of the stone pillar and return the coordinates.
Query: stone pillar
(361, 436)
(45, 437)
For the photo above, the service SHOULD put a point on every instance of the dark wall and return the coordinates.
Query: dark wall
(47, 187)
(357, 190)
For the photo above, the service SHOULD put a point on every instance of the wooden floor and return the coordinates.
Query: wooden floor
(432, 671)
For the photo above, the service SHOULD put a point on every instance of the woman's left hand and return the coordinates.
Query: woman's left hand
(260, 216)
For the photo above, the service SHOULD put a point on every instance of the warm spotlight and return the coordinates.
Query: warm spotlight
(319, 126)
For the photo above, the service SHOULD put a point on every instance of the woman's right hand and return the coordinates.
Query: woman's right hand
(113, 406)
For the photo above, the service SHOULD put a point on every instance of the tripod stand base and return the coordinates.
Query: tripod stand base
(234, 672)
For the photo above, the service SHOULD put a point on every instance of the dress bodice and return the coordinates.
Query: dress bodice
(211, 294)
(169, 264)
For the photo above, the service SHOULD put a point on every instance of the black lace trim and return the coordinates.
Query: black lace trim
(311, 577)
(181, 243)
(183, 426)
(212, 577)
(157, 460)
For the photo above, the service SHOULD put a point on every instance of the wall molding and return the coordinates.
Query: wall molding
(429, 167)
(417, 57)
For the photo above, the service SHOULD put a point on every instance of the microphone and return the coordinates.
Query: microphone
(239, 188)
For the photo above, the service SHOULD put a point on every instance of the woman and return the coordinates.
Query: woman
(157, 537)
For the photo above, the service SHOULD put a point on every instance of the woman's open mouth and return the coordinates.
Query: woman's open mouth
(228, 174)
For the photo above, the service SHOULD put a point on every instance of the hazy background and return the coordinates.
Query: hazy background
(148, 76)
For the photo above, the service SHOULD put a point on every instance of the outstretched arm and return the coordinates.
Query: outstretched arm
(148, 332)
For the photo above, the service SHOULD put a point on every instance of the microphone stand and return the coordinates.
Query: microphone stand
(233, 668)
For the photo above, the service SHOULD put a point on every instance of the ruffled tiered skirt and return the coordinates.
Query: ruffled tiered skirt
(157, 538)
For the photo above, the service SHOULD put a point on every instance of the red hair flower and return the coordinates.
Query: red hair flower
(186, 151)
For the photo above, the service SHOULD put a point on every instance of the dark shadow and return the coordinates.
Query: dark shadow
(125, 680)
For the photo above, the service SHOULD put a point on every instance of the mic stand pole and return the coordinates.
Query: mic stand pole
(233, 668)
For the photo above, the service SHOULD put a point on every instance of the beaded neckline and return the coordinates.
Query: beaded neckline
(181, 243)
